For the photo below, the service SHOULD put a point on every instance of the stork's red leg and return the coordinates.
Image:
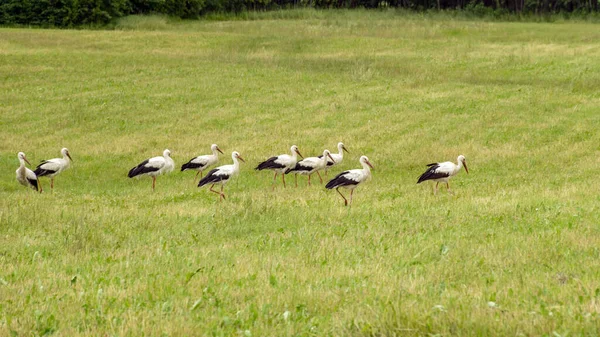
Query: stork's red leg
(219, 193)
(351, 191)
(40, 185)
(309, 179)
(52, 184)
(296, 178)
(319, 174)
(283, 179)
(222, 194)
(153, 183)
(436, 188)
(196, 177)
(275, 180)
(345, 200)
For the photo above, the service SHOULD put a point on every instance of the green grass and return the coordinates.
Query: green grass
(103, 256)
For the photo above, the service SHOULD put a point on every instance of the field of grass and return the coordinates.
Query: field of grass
(514, 252)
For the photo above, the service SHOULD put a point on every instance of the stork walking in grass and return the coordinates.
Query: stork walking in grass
(351, 179)
(25, 176)
(337, 157)
(280, 164)
(442, 172)
(310, 165)
(200, 163)
(222, 174)
(52, 167)
(154, 167)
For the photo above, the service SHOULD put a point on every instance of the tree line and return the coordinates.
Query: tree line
(73, 13)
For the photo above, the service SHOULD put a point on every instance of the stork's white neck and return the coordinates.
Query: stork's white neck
(215, 152)
(459, 165)
(294, 155)
(341, 150)
(66, 161)
(21, 170)
(366, 168)
(236, 163)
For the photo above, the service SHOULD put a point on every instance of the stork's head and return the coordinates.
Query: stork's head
(236, 155)
(365, 160)
(166, 153)
(326, 154)
(341, 147)
(215, 147)
(65, 153)
(463, 160)
(294, 149)
(21, 156)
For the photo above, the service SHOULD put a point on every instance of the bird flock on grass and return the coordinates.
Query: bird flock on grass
(283, 165)
(47, 168)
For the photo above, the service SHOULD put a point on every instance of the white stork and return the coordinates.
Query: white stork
(25, 176)
(52, 167)
(281, 163)
(351, 179)
(222, 174)
(337, 157)
(310, 165)
(153, 167)
(442, 172)
(200, 163)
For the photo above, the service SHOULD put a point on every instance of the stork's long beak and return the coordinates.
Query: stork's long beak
(329, 155)
(240, 158)
(69, 155)
(370, 165)
(218, 149)
(465, 165)
(345, 149)
(298, 152)
(27, 161)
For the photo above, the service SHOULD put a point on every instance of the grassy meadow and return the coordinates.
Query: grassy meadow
(514, 252)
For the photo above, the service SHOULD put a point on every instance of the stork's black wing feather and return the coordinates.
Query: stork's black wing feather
(432, 174)
(40, 172)
(33, 183)
(269, 164)
(299, 167)
(191, 166)
(340, 180)
(212, 178)
(141, 169)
